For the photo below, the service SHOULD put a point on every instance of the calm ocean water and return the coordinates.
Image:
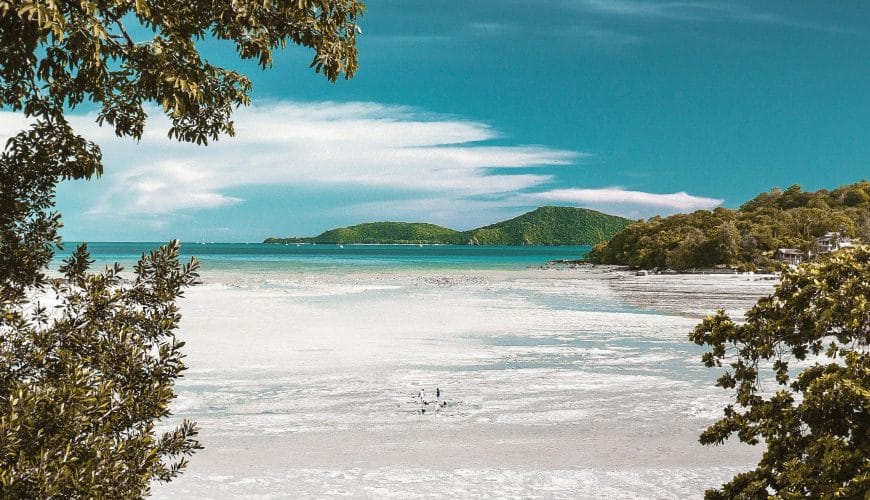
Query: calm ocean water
(259, 256)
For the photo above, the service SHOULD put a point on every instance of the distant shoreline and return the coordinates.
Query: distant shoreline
(418, 244)
(547, 225)
(578, 263)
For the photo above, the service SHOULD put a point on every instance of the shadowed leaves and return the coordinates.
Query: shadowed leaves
(817, 425)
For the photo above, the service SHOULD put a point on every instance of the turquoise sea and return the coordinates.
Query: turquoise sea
(261, 256)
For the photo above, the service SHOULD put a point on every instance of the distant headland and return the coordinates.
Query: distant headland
(774, 230)
(544, 226)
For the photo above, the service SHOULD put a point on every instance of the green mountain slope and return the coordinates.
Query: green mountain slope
(544, 226)
(550, 226)
(381, 232)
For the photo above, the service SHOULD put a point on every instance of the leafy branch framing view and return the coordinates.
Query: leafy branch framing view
(816, 425)
(83, 384)
(88, 360)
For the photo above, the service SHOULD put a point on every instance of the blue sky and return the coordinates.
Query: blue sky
(465, 113)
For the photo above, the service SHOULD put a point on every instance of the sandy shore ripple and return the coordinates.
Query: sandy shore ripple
(568, 383)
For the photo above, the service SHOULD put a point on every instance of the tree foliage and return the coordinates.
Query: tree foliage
(83, 384)
(57, 55)
(744, 238)
(816, 423)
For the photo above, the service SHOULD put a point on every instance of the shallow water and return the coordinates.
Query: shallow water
(257, 258)
(556, 383)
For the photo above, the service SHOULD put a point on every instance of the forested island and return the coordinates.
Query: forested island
(543, 226)
(771, 230)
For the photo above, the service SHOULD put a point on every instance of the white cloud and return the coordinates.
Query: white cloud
(454, 213)
(442, 165)
(469, 213)
(11, 124)
(325, 144)
(634, 204)
(573, 31)
(635, 8)
(692, 12)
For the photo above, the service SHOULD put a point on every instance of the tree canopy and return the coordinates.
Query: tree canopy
(83, 383)
(745, 238)
(57, 55)
(82, 386)
(814, 418)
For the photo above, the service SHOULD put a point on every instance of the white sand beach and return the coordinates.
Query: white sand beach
(561, 383)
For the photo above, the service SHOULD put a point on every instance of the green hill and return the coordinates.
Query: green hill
(544, 226)
(550, 226)
(381, 232)
(745, 238)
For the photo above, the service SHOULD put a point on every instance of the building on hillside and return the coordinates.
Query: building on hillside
(831, 242)
(791, 255)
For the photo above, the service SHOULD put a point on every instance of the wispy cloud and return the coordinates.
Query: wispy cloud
(569, 29)
(467, 213)
(404, 39)
(634, 8)
(605, 24)
(443, 168)
(691, 11)
(359, 145)
(588, 34)
(628, 203)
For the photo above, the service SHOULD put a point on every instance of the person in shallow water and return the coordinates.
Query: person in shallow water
(440, 404)
(421, 398)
